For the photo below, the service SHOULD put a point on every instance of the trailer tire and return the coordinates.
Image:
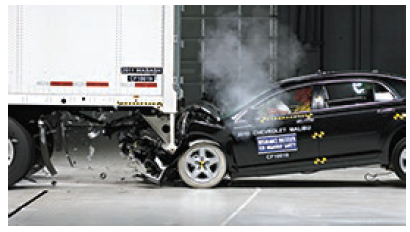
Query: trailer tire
(21, 151)
(202, 166)
(398, 160)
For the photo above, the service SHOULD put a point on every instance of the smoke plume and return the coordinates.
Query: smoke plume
(242, 58)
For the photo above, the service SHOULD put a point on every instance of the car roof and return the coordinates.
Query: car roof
(319, 76)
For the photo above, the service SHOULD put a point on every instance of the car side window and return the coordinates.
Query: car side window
(353, 93)
(293, 101)
(381, 94)
(348, 93)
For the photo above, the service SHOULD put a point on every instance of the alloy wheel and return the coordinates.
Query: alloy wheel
(202, 164)
(402, 160)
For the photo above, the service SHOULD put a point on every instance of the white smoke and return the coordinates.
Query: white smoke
(240, 64)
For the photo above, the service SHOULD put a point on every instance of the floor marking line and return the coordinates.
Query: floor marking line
(11, 214)
(240, 208)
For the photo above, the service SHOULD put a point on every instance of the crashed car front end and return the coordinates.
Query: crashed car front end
(201, 123)
(203, 146)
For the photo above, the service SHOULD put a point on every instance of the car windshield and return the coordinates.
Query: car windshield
(229, 110)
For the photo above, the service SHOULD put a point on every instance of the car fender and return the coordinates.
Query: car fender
(195, 142)
(393, 137)
(197, 137)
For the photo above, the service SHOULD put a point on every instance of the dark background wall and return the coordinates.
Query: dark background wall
(334, 38)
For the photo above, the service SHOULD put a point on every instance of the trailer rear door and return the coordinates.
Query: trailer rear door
(92, 55)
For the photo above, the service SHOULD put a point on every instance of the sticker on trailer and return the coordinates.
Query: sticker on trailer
(141, 78)
(142, 70)
(158, 104)
(277, 143)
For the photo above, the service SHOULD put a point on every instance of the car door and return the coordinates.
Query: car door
(276, 130)
(351, 115)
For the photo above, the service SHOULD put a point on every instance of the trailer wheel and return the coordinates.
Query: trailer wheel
(399, 159)
(202, 166)
(20, 149)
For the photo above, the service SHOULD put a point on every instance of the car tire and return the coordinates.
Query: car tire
(21, 151)
(202, 166)
(399, 159)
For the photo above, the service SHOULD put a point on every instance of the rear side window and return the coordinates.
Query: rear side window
(381, 94)
(353, 93)
(398, 85)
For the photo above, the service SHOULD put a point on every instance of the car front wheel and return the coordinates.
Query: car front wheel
(399, 159)
(202, 166)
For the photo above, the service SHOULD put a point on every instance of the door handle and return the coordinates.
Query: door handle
(306, 120)
(386, 110)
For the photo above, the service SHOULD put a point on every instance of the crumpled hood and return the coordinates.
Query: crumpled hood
(201, 116)
(206, 107)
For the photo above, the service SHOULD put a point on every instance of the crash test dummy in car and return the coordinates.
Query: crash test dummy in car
(303, 97)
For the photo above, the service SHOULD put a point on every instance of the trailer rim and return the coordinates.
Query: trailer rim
(11, 152)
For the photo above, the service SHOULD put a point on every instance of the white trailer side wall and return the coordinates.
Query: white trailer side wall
(55, 52)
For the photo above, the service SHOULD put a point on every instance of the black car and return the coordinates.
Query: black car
(301, 125)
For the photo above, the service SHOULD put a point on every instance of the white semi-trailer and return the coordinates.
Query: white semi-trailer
(111, 68)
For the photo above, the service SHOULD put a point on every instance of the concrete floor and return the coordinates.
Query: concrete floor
(82, 197)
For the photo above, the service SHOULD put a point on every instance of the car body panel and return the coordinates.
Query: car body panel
(346, 135)
(249, 134)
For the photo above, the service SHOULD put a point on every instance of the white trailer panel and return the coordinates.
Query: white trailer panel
(73, 55)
